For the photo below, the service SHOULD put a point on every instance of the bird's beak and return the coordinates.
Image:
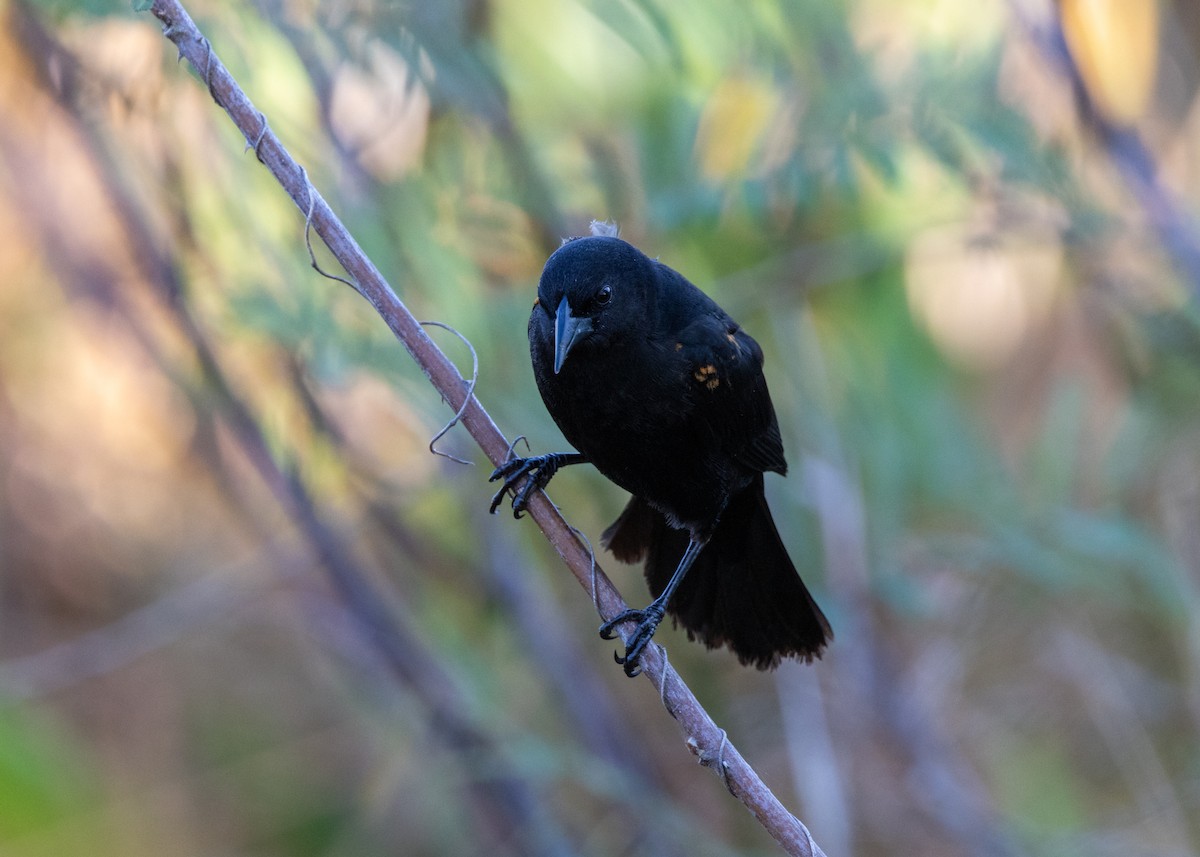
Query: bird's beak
(568, 330)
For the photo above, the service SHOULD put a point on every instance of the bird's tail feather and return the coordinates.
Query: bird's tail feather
(742, 591)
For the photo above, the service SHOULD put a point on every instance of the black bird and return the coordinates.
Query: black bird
(664, 394)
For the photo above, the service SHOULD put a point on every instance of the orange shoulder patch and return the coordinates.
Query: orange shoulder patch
(707, 375)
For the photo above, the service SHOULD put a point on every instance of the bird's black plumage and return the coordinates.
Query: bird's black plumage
(664, 394)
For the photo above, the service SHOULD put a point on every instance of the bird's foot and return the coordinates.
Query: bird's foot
(539, 469)
(647, 623)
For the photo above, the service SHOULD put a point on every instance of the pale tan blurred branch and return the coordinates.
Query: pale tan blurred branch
(703, 737)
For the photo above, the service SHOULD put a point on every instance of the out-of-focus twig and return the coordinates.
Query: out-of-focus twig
(819, 779)
(217, 596)
(703, 737)
(1125, 148)
(943, 785)
(510, 807)
(1084, 663)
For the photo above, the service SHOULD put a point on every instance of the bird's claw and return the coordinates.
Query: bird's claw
(512, 471)
(647, 623)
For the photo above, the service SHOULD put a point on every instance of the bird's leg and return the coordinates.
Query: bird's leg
(648, 618)
(540, 469)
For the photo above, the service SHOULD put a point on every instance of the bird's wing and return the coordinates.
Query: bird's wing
(730, 390)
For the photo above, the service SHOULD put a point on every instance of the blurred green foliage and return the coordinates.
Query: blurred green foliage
(45, 775)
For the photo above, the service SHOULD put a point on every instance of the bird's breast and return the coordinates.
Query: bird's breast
(633, 416)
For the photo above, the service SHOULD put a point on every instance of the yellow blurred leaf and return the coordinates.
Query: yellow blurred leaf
(1115, 45)
(731, 126)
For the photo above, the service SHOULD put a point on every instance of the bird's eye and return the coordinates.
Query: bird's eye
(604, 295)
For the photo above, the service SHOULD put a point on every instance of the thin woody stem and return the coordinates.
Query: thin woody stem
(703, 736)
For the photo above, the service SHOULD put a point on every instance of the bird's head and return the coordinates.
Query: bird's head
(595, 290)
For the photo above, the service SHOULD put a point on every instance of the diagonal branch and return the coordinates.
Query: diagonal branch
(1174, 227)
(702, 736)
